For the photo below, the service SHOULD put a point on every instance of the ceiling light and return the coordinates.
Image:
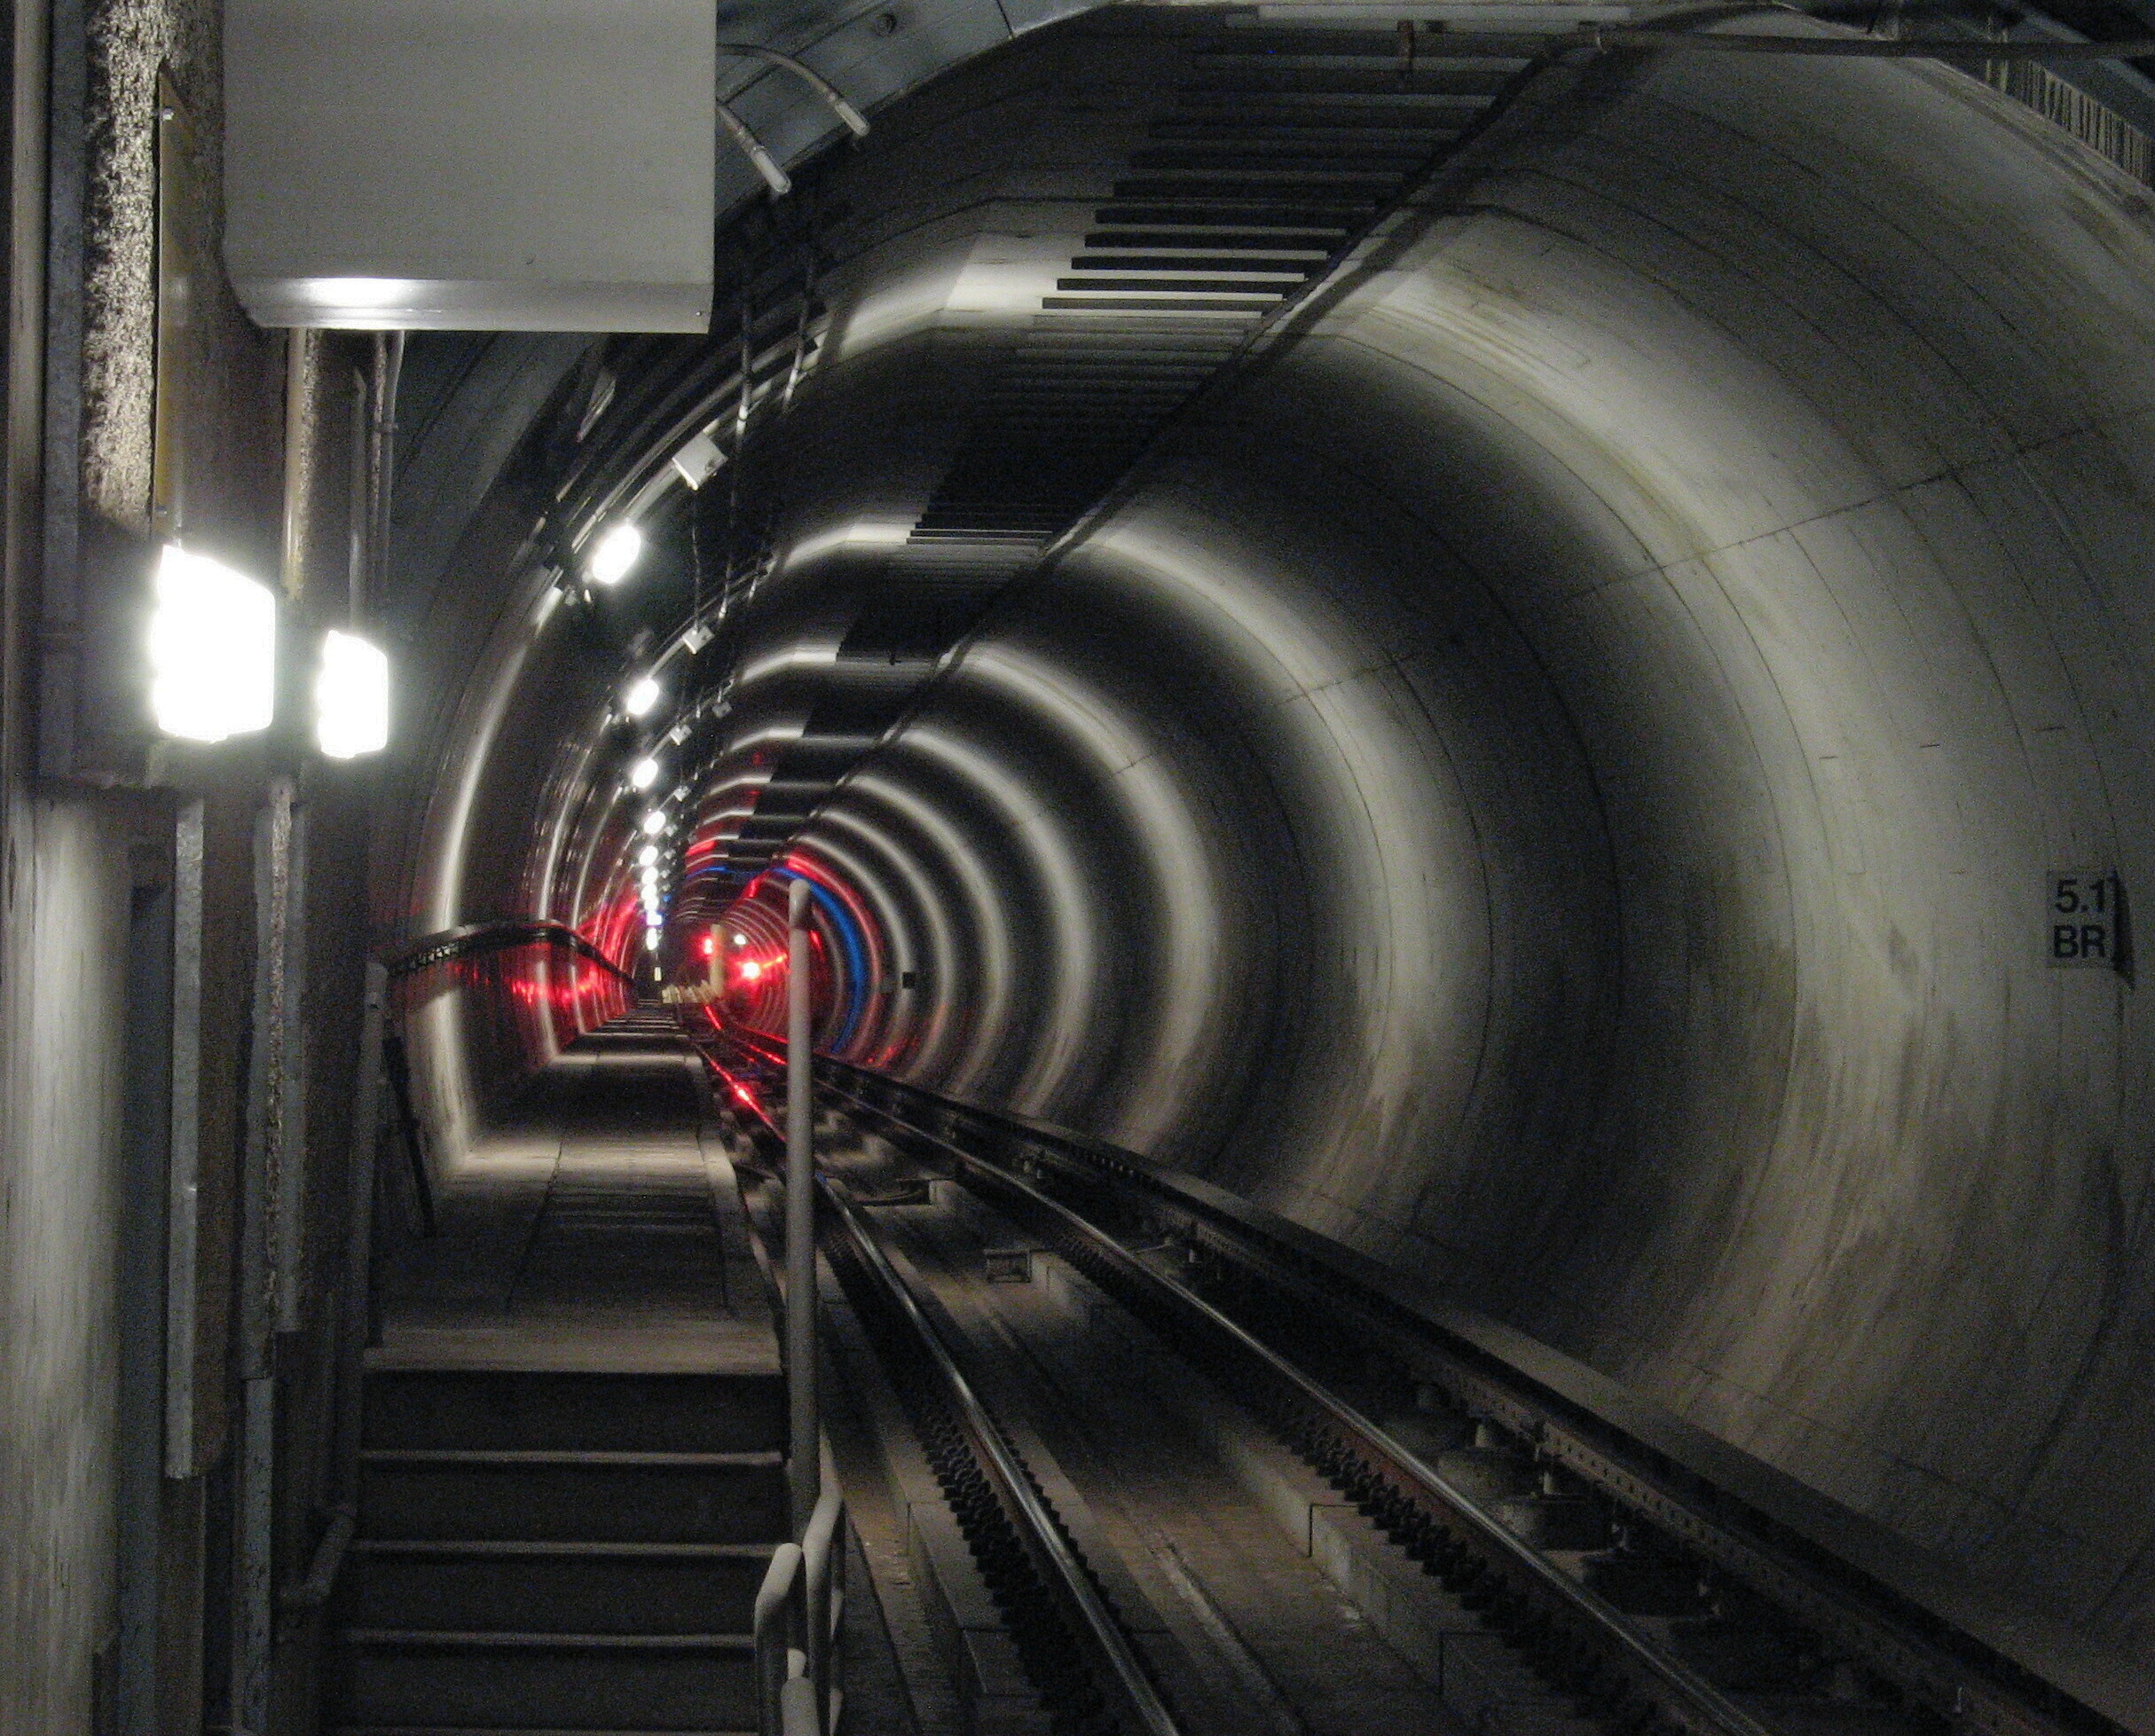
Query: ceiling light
(643, 774)
(655, 822)
(648, 856)
(616, 552)
(351, 697)
(651, 938)
(213, 649)
(640, 697)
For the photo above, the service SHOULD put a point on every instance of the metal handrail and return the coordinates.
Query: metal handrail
(823, 1563)
(450, 943)
(798, 1608)
(778, 1622)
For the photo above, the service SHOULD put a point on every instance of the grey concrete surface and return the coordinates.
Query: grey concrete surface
(60, 1020)
(1552, 781)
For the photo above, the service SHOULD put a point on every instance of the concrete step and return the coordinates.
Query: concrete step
(525, 1682)
(605, 1588)
(556, 1410)
(452, 1496)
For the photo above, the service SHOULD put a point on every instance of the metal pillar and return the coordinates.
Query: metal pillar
(803, 1435)
(269, 1244)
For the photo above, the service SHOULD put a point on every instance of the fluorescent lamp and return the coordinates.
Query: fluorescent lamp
(213, 649)
(351, 697)
(640, 697)
(616, 552)
(643, 774)
(655, 822)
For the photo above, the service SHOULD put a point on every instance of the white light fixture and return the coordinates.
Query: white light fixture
(643, 774)
(351, 696)
(213, 649)
(650, 940)
(640, 697)
(648, 856)
(655, 822)
(615, 553)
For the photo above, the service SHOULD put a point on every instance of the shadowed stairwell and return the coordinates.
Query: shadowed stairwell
(574, 1473)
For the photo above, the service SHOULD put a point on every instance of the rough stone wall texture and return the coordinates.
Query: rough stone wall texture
(130, 40)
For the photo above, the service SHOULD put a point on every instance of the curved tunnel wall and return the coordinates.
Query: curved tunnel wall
(1551, 783)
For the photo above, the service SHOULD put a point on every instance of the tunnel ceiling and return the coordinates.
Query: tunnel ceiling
(1492, 653)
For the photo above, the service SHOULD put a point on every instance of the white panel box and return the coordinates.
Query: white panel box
(478, 165)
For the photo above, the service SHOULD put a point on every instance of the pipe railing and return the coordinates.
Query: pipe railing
(451, 943)
(800, 1676)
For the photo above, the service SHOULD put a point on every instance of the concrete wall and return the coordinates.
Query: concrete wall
(1559, 778)
(65, 911)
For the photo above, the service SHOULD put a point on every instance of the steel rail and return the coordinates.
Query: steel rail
(1685, 1697)
(1605, 37)
(1990, 1667)
(1144, 1712)
(1136, 1702)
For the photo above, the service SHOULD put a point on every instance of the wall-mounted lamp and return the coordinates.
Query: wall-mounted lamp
(698, 460)
(616, 551)
(643, 774)
(655, 822)
(213, 649)
(640, 697)
(351, 697)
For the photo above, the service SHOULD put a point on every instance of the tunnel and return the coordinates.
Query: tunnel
(1521, 656)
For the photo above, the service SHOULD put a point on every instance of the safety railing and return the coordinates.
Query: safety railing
(455, 942)
(799, 1679)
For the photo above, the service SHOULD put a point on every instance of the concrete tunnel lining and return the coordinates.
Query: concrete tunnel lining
(1560, 770)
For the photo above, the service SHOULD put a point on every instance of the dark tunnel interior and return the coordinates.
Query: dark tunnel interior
(1542, 768)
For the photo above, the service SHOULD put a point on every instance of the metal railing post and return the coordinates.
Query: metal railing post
(823, 1565)
(776, 1600)
(805, 1433)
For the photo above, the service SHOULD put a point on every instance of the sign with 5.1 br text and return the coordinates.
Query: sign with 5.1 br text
(2086, 918)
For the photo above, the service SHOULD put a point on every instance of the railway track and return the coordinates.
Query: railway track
(1495, 1497)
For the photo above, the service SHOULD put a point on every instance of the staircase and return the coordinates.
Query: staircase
(551, 1551)
(568, 1497)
